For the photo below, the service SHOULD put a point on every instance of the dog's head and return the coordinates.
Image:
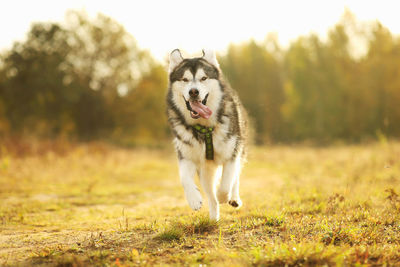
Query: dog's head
(195, 85)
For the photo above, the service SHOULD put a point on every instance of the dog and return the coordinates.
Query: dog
(210, 130)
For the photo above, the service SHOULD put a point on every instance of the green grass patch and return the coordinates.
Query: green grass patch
(199, 225)
(170, 234)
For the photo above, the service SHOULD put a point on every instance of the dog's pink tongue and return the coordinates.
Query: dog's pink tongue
(203, 110)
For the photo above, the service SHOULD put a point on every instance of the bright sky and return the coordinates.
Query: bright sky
(162, 26)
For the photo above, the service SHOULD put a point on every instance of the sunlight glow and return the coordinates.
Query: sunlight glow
(161, 26)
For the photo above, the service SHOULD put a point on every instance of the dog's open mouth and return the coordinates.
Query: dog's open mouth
(198, 108)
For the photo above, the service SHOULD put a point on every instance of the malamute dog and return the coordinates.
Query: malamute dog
(209, 126)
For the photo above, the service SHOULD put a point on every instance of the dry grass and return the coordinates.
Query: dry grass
(98, 205)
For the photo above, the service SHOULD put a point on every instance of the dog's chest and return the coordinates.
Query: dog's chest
(223, 146)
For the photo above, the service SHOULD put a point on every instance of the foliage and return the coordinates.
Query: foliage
(257, 75)
(332, 95)
(87, 79)
(69, 80)
(321, 90)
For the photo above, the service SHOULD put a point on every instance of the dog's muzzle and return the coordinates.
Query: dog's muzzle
(198, 108)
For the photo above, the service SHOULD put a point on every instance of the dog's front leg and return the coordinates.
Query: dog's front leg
(228, 190)
(187, 171)
(208, 182)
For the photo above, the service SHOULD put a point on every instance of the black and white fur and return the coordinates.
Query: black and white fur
(219, 178)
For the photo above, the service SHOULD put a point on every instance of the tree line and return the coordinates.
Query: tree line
(87, 79)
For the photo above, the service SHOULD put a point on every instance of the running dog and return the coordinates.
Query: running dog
(210, 130)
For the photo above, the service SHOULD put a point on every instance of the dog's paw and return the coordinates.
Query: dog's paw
(194, 199)
(236, 203)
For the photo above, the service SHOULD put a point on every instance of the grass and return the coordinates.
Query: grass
(94, 205)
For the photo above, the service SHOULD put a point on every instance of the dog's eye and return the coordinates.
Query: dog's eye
(203, 78)
(185, 80)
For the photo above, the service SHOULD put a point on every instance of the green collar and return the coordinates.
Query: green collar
(207, 132)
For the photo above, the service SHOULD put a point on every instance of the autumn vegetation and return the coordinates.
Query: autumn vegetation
(88, 175)
(86, 79)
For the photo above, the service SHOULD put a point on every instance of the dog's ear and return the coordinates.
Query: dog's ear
(174, 59)
(210, 56)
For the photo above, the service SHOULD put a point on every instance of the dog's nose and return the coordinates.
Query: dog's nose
(193, 92)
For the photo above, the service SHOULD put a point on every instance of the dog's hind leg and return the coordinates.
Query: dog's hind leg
(187, 171)
(228, 190)
(208, 181)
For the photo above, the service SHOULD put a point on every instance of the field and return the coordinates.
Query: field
(93, 204)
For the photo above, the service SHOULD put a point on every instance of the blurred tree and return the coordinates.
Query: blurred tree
(256, 74)
(382, 66)
(325, 87)
(304, 108)
(33, 88)
(4, 123)
(106, 60)
(142, 117)
(87, 78)
(69, 80)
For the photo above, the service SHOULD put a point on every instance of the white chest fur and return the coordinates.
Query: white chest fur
(195, 151)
